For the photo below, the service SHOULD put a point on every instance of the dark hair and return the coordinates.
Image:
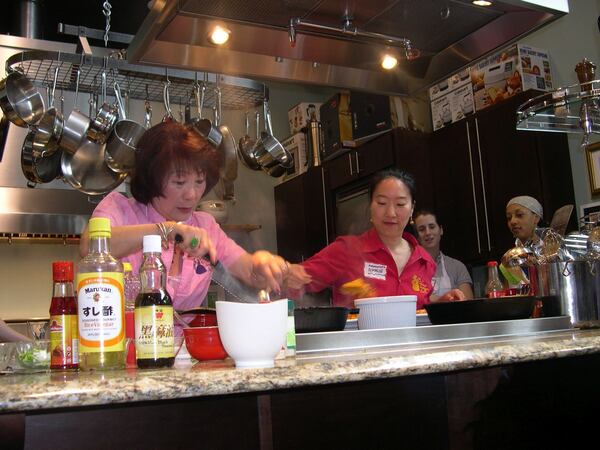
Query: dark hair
(166, 147)
(427, 212)
(401, 175)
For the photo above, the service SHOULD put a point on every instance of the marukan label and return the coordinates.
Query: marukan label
(100, 308)
(376, 271)
(154, 332)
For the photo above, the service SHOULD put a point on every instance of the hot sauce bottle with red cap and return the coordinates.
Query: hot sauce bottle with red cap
(64, 352)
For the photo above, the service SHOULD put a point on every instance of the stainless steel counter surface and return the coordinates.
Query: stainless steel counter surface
(64, 390)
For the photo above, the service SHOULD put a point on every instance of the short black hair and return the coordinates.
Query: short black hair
(398, 174)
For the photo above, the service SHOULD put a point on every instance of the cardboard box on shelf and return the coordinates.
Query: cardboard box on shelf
(508, 72)
(446, 86)
(453, 105)
(299, 115)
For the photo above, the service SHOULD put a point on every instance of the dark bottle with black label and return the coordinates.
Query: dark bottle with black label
(154, 343)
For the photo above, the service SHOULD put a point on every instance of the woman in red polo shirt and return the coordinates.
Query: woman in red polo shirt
(385, 256)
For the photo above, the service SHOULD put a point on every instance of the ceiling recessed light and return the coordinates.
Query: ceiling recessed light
(482, 2)
(389, 62)
(219, 35)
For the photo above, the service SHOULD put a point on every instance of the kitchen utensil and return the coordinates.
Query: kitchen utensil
(576, 283)
(228, 149)
(272, 157)
(76, 126)
(479, 310)
(7, 354)
(147, 111)
(517, 256)
(253, 334)
(168, 117)
(204, 343)
(39, 329)
(204, 126)
(560, 219)
(246, 145)
(48, 130)
(105, 119)
(123, 140)
(20, 101)
(4, 125)
(87, 172)
(387, 312)
(317, 319)
(38, 169)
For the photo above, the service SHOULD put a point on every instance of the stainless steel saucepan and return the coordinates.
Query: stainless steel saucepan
(123, 140)
(49, 129)
(77, 124)
(270, 154)
(204, 126)
(38, 169)
(246, 145)
(228, 150)
(105, 119)
(20, 101)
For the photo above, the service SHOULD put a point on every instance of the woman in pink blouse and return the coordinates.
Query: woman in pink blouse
(175, 167)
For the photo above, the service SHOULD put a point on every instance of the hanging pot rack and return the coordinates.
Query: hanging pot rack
(140, 82)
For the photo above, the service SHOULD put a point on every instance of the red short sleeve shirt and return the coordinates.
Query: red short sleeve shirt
(365, 256)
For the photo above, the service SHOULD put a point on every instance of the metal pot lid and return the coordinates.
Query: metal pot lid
(39, 169)
(87, 171)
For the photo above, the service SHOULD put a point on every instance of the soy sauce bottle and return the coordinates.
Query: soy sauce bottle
(154, 344)
(64, 352)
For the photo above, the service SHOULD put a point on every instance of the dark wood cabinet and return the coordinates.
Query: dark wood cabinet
(481, 163)
(361, 162)
(301, 212)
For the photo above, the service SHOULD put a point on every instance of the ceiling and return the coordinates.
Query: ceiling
(450, 34)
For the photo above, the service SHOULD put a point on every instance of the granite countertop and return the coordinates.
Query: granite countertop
(20, 392)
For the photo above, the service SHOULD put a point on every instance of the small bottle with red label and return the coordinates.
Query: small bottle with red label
(64, 351)
(494, 287)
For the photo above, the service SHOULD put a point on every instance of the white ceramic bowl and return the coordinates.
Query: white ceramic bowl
(252, 333)
(217, 208)
(387, 312)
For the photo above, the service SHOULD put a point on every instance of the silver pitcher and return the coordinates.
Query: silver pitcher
(577, 285)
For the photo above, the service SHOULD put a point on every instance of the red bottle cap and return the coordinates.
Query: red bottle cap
(492, 263)
(62, 271)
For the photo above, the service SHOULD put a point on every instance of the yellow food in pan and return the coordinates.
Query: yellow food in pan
(358, 288)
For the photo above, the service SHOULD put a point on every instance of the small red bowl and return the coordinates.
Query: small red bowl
(203, 317)
(204, 343)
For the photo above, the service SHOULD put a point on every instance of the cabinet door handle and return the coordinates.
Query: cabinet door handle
(350, 161)
(487, 225)
(357, 165)
(473, 189)
(324, 191)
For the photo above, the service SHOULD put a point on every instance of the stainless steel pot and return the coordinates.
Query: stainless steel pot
(20, 100)
(123, 140)
(76, 126)
(246, 145)
(87, 172)
(36, 168)
(122, 144)
(48, 130)
(272, 157)
(204, 126)
(576, 283)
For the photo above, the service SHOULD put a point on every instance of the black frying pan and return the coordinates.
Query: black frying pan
(481, 310)
(320, 318)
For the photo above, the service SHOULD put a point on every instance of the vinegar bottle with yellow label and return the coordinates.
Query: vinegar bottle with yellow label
(153, 311)
(100, 302)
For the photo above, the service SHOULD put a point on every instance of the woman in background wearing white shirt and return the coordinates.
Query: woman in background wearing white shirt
(450, 273)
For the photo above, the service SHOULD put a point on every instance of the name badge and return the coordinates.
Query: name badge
(376, 271)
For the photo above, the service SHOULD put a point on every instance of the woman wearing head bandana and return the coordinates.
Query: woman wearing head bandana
(523, 214)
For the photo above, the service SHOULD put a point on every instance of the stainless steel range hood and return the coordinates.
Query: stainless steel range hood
(449, 33)
(48, 209)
